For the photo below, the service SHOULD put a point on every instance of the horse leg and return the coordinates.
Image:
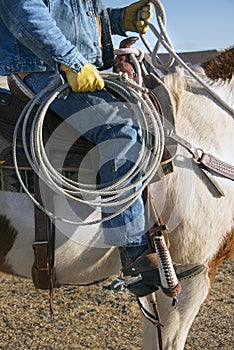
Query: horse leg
(177, 321)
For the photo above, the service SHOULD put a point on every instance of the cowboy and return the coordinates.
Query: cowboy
(45, 40)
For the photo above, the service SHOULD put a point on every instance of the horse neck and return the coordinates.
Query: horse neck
(202, 121)
(189, 203)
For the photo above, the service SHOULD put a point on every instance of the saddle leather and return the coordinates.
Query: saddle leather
(11, 105)
(161, 98)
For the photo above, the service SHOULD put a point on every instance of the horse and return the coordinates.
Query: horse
(199, 218)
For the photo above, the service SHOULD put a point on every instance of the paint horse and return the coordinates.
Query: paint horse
(199, 219)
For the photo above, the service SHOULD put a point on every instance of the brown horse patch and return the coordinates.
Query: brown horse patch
(225, 252)
(7, 237)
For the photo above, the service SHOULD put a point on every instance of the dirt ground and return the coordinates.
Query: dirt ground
(91, 317)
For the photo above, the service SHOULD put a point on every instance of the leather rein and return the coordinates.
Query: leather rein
(205, 161)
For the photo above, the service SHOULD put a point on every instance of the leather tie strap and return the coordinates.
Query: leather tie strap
(43, 260)
(206, 159)
(217, 165)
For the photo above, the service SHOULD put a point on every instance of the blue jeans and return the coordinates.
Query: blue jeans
(107, 122)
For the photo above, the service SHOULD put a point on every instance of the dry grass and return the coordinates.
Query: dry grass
(95, 318)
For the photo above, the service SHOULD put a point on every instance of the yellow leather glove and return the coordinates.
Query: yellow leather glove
(87, 79)
(131, 20)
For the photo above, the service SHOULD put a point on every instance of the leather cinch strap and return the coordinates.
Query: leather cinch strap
(43, 268)
(217, 165)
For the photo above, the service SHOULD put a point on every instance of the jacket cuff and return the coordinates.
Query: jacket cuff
(116, 20)
(73, 60)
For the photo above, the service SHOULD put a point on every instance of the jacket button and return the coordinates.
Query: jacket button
(96, 43)
(89, 13)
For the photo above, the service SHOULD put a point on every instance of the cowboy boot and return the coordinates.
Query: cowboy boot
(140, 270)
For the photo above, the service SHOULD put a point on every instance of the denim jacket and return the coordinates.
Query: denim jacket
(36, 35)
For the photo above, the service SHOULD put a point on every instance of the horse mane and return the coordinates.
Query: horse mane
(220, 66)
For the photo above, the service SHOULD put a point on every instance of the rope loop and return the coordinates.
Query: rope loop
(114, 194)
(164, 40)
(162, 23)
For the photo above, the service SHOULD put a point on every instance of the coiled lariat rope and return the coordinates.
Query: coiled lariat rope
(113, 195)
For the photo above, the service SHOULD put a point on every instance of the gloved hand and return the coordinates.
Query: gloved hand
(87, 79)
(131, 20)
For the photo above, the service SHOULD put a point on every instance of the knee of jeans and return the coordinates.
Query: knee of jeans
(125, 131)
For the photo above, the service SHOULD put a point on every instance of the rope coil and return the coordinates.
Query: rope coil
(112, 195)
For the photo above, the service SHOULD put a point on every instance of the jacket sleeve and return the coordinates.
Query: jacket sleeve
(116, 20)
(31, 24)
